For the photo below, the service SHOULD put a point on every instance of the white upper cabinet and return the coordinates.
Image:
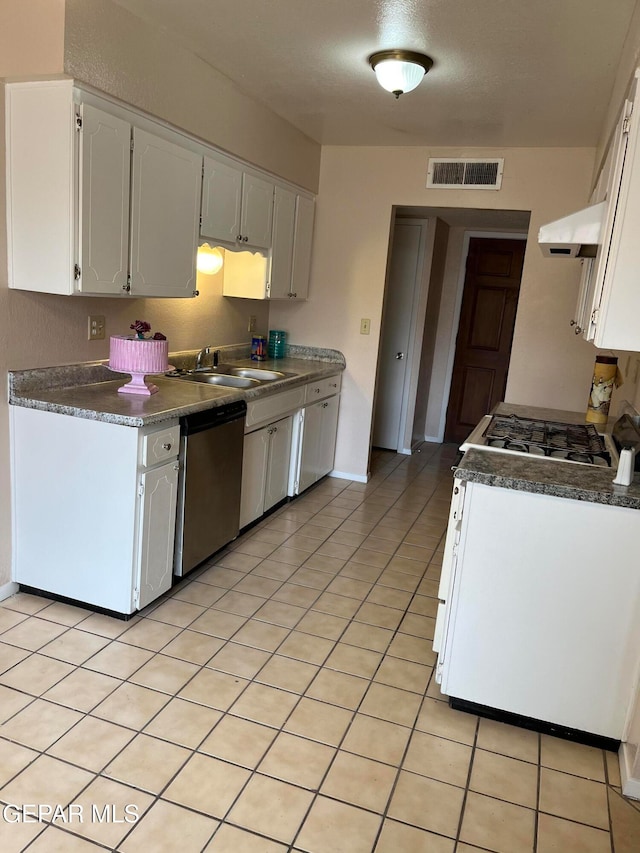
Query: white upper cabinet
(73, 171)
(609, 298)
(237, 206)
(105, 169)
(303, 235)
(291, 251)
(165, 217)
(221, 201)
(284, 219)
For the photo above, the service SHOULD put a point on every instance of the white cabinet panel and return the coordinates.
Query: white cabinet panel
(284, 216)
(265, 469)
(155, 532)
(165, 217)
(90, 522)
(255, 460)
(279, 456)
(237, 206)
(327, 437)
(105, 168)
(310, 448)
(302, 241)
(257, 211)
(221, 201)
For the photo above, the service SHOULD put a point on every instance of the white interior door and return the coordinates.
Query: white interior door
(404, 271)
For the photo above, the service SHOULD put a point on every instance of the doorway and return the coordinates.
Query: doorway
(438, 281)
(485, 332)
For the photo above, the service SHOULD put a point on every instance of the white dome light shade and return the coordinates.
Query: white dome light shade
(209, 260)
(399, 71)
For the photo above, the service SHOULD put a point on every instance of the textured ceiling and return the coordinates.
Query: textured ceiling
(506, 72)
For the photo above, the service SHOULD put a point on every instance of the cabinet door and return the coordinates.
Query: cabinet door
(156, 532)
(257, 211)
(255, 461)
(165, 217)
(309, 452)
(284, 215)
(105, 168)
(305, 208)
(327, 437)
(605, 263)
(221, 201)
(278, 467)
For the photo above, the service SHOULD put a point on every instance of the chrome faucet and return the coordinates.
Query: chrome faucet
(205, 351)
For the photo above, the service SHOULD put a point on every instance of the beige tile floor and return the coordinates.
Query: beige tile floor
(281, 698)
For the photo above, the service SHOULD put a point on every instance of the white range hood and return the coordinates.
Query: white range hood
(573, 236)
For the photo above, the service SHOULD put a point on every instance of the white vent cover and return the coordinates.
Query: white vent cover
(465, 173)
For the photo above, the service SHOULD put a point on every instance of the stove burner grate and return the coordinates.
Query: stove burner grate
(574, 442)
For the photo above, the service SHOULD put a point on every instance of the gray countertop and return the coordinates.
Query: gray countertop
(90, 390)
(546, 476)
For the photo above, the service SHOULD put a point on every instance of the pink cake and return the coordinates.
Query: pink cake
(138, 357)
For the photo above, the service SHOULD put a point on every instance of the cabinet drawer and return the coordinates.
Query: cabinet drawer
(160, 446)
(322, 388)
(271, 408)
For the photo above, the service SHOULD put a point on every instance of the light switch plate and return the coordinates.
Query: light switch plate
(365, 326)
(96, 327)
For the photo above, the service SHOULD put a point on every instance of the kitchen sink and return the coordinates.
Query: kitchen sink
(216, 379)
(260, 373)
(229, 375)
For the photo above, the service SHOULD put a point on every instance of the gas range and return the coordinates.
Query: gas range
(544, 439)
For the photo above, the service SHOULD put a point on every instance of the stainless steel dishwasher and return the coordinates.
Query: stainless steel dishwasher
(208, 514)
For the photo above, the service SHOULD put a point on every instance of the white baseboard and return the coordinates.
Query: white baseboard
(345, 475)
(433, 439)
(8, 589)
(630, 784)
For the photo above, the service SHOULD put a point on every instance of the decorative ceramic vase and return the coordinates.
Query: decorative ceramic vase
(139, 357)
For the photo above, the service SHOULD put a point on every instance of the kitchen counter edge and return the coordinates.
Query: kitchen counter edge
(89, 390)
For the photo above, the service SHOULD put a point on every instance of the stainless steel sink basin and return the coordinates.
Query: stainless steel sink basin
(258, 373)
(230, 375)
(217, 379)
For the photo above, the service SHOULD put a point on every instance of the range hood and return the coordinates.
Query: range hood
(574, 236)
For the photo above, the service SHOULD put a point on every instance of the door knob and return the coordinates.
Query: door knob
(399, 355)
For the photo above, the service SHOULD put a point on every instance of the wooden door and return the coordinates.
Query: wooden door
(485, 332)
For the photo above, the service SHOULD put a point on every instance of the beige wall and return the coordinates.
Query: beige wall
(358, 188)
(31, 41)
(111, 50)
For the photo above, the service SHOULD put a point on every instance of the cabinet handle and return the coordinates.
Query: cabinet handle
(295, 295)
(578, 330)
(317, 390)
(176, 467)
(572, 323)
(275, 429)
(126, 288)
(166, 446)
(245, 239)
(324, 405)
(239, 238)
(196, 293)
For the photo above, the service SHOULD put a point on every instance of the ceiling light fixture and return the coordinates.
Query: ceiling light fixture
(399, 71)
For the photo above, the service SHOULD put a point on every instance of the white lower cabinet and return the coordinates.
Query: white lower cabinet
(314, 437)
(94, 508)
(265, 469)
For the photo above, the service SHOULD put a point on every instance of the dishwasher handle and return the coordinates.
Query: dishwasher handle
(211, 418)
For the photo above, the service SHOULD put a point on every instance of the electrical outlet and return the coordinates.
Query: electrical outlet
(365, 326)
(252, 323)
(96, 327)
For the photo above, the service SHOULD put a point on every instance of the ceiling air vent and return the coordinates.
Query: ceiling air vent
(465, 173)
